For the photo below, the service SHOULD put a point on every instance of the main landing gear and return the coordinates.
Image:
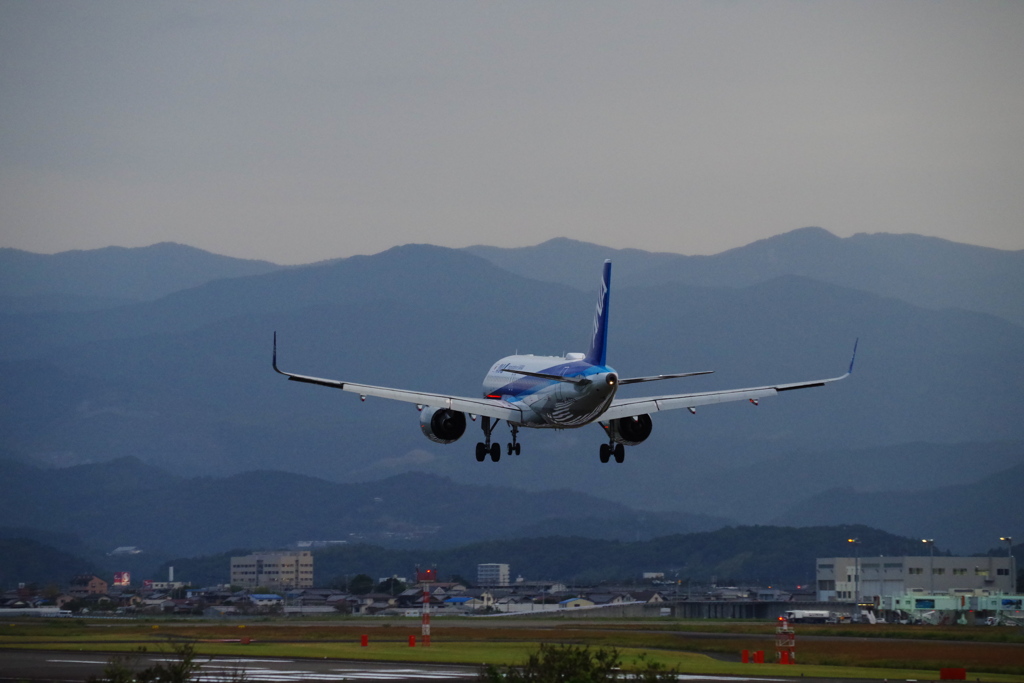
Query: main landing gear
(610, 449)
(513, 446)
(486, 448)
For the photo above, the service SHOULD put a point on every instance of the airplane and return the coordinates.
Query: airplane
(556, 392)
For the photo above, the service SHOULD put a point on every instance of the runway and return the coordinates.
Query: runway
(80, 666)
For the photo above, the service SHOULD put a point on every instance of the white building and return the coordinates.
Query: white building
(284, 569)
(874, 579)
(492, 575)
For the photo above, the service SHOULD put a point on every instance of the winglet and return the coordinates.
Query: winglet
(856, 341)
(597, 353)
(276, 369)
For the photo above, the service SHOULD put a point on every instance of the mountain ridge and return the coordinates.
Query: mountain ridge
(105, 503)
(950, 509)
(111, 276)
(925, 271)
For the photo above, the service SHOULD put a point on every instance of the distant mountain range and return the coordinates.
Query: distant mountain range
(180, 377)
(956, 511)
(82, 513)
(126, 502)
(102, 278)
(924, 271)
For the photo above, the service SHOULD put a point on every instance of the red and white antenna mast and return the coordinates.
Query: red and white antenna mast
(425, 578)
(785, 642)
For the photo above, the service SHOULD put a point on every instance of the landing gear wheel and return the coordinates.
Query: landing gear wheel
(495, 452)
(513, 446)
(606, 452)
(481, 452)
(620, 452)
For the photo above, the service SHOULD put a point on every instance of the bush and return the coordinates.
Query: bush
(576, 664)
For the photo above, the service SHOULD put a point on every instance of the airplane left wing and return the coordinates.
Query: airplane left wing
(497, 409)
(631, 407)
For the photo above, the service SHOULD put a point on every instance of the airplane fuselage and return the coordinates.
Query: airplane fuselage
(549, 403)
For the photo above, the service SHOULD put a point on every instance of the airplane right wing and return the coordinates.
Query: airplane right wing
(631, 407)
(493, 408)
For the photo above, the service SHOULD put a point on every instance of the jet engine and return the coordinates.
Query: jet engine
(630, 431)
(442, 425)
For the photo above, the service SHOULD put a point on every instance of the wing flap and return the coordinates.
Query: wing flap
(630, 407)
(497, 409)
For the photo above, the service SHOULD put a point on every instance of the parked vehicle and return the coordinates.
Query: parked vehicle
(808, 616)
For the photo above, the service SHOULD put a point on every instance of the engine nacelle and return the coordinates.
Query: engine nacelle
(630, 431)
(442, 425)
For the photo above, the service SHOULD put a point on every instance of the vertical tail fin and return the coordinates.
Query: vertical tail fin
(596, 354)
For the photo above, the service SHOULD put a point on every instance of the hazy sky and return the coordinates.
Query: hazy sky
(297, 131)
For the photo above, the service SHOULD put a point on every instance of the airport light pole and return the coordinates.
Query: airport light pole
(930, 542)
(856, 574)
(1009, 553)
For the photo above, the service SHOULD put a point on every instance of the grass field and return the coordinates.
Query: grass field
(988, 654)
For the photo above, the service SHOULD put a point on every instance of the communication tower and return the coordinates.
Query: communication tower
(425, 578)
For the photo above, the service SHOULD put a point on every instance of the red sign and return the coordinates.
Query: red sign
(122, 578)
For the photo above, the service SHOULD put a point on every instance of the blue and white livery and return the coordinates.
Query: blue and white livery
(555, 392)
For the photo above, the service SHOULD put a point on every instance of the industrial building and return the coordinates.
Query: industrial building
(877, 579)
(492, 575)
(282, 569)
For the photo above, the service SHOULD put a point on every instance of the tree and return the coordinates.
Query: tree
(361, 584)
(392, 586)
(458, 578)
(576, 664)
(339, 582)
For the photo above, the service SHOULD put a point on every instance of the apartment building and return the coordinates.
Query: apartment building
(492, 575)
(279, 569)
